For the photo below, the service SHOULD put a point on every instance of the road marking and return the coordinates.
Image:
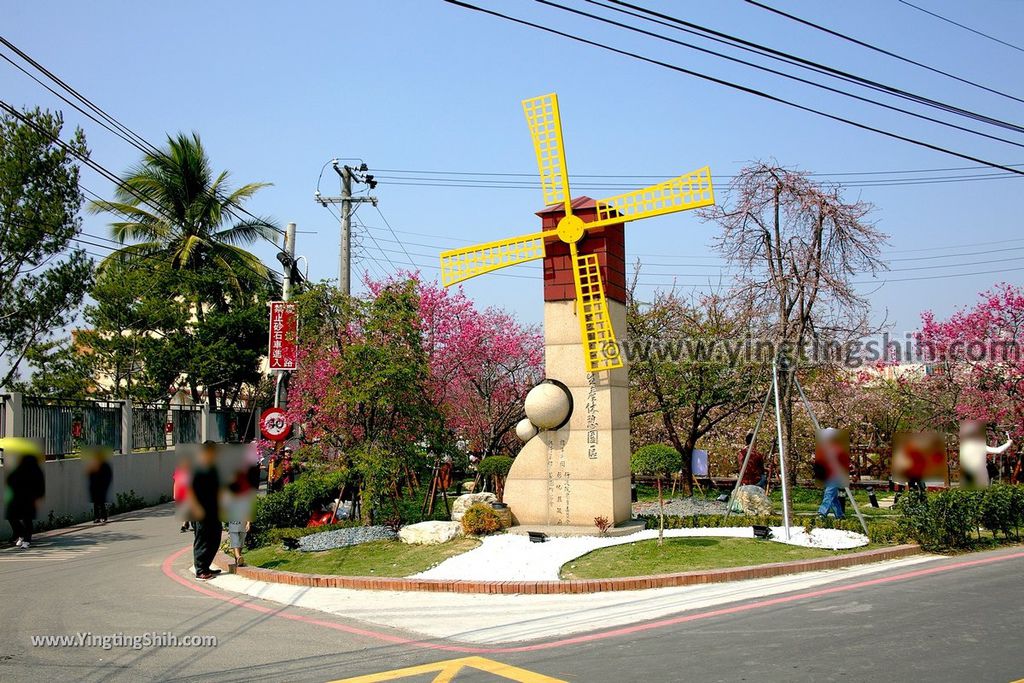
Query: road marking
(46, 553)
(575, 640)
(447, 670)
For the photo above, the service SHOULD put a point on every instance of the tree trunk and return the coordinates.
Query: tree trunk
(661, 514)
(685, 471)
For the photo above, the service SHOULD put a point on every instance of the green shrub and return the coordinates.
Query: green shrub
(480, 520)
(495, 466)
(952, 519)
(126, 502)
(291, 506)
(656, 460)
(53, 521)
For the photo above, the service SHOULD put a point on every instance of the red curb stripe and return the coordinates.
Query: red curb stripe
(575, 640)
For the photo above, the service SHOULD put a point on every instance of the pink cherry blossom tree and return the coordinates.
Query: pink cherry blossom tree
(482, 364)
(976, 361)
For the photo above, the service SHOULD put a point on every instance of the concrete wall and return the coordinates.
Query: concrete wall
(148, 474)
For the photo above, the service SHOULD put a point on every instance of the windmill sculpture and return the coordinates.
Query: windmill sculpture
(577, 467)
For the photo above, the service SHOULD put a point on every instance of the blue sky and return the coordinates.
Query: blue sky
(276, 91)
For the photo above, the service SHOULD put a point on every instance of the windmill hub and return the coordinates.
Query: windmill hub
(570, 229)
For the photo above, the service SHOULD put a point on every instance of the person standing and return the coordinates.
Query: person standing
(100, 475)
(974, 452)
(754, 474)
(287, 475)
(832, 461)
(273, 473)
(204, 497)
(180, 487)
(26, 487)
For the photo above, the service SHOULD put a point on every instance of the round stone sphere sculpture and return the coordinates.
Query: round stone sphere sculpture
(525, 430)
(548, 405)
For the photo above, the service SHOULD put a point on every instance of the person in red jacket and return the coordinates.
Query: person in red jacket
(182, 479)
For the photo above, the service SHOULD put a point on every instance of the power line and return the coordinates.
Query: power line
(661, 176)
(776, 72)
(123, 131)
(735, 86)
(382, 217)
(676, 23)
(383, 253)
(466, 182)
(135, 139)
(883, 51)
(966, 28)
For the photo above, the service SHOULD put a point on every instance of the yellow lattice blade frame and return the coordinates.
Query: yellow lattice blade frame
(546, 130)
(458, 265)
(688, 191)
(600, 350)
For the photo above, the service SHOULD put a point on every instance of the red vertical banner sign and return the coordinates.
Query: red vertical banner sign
(284, 336)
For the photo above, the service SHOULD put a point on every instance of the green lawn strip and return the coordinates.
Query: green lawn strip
(378, 558)
(645, 558)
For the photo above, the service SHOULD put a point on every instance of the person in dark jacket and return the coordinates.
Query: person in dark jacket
(26, 486)
(101, 475)
(204, 496)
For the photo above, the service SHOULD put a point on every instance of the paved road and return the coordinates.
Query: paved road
(962, 623)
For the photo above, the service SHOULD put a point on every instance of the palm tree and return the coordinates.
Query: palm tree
(178, 215)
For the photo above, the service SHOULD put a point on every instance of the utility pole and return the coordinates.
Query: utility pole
(287, 268)
(287, 258)
(347, 175)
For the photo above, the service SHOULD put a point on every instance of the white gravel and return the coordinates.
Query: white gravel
(512, 557)
(828, 539)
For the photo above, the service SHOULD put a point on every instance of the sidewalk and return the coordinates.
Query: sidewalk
(495, 619)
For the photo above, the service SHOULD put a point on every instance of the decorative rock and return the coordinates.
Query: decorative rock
(430, 533)
(463, 502)
(547, 405)
(525, 429)
(751, 500)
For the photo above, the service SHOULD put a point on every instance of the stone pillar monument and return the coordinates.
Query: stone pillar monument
(567, 475)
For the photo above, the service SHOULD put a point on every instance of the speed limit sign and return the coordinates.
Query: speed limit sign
(274, 424)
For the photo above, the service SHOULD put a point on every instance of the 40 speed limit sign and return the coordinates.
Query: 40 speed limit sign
(274, 424)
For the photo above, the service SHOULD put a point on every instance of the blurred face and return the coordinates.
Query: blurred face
(207, 456)
(971, 429)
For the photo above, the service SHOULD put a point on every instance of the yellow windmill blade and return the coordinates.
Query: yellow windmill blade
(546, 130)
(688, 191)
(458, 265)
(600, 350)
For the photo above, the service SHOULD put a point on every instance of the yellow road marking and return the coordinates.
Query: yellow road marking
(448, 669)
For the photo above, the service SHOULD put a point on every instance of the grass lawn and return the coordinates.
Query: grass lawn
(685, 554)
(806, 501)
(379, 558)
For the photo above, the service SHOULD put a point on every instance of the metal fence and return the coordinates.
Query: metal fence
(149, 426)
(234, 426)
(185, 424)
(65, 426)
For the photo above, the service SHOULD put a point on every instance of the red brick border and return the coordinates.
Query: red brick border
(574, 586)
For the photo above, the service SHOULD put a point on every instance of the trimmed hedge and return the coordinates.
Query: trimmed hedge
(953, 519)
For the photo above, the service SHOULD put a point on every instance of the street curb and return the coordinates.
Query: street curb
(631, 583)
